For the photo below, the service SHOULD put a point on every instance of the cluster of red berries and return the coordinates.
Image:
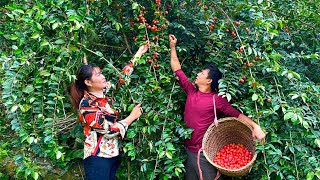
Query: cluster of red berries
(233, 156)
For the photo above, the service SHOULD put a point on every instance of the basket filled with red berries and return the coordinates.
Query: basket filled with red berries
(230, 146)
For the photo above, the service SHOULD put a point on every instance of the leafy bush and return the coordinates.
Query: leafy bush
(274, 44)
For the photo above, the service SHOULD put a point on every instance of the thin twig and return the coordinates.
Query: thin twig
(125, 38)
(105, 45)
(102, 58)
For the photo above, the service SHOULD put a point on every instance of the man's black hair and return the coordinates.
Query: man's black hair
(214, 74)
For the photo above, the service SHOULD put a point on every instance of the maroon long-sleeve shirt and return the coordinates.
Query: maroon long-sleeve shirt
(199, 111)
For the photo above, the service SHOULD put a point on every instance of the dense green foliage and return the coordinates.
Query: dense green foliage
(275, 44)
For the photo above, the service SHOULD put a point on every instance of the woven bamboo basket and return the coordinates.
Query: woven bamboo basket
(230, 130)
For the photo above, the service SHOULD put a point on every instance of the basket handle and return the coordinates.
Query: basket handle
(215, 111)
(198, 162)
(218, 174)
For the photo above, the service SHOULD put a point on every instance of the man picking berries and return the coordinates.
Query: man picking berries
(199, 112)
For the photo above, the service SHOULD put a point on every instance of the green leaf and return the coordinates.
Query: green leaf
(310, 175)
(44, 43)
(59, 41)
(77, 25)
(141, 26)
(130, 107)
(14, 108)
(117, 25)
(295, 96)
(13, 37)
(28, 89)
(20, 11)
(317, 141)
(72, 18)
(318, 173)
(249, 50)
(260, 1)
(169, 154)
(58, 155)
(98, 53)
(55, 25)
(288, 115)
(305, 124)
(30, 139)
(10, 16)
(228, 97)
(44, 73)
(254, 97)
(14, 47)
(35, 36)
(35, 175)
(135, 5)
(155, 118)
(39, 26)
(276, 107)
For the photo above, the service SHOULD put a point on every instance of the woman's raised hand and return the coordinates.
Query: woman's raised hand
(143, 49)
(136, 112)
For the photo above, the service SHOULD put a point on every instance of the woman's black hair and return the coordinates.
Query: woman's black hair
(214, 74)
(78, 87)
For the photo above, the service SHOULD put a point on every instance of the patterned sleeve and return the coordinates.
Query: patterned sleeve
(100, 119)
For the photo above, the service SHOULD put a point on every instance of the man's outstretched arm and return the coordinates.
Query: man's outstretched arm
(175, 64)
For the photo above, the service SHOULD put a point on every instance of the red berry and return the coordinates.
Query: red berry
(241, 80)
(233, 156)
(237, 23)
(155, 55)
(233, 34)
(214, 19)
(244, 78)
(247, 30)
(254, 84)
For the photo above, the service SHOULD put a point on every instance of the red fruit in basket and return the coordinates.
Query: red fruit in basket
(233, 156)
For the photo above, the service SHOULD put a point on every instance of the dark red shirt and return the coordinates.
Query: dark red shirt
(199, 112)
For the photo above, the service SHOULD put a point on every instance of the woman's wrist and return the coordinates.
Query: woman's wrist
(130, 119)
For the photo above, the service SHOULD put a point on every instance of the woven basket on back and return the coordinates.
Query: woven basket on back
(229, 130)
